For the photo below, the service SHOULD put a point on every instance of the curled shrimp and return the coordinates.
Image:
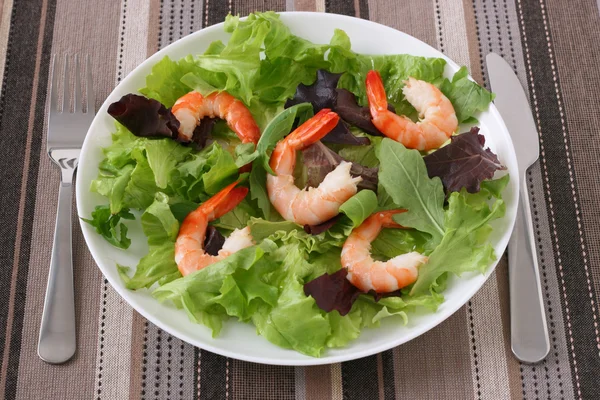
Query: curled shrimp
(192, 107)
(438, 119)
(315, 205)
(189, 247)
(381, 276)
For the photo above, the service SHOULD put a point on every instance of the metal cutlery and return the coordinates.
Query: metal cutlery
(67, 128)
(529, 331)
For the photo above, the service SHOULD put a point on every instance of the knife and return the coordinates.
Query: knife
(528, 328)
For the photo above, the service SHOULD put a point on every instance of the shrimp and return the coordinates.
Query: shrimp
(381, 276)
(189, 251)
(438, 119)
(315, 205)
(192, 107)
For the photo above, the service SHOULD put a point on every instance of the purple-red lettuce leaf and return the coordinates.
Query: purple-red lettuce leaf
(463, 162)
(213, 241)
(322, 227)
(349, 110)
(323, 94)
(341, 135)
(144, 117)
(335, 292)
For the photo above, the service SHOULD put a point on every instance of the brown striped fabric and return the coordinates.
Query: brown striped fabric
(553, 47)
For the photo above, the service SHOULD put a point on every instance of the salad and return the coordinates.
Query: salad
(300, 187)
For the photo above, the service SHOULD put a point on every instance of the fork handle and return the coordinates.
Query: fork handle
(57, 332)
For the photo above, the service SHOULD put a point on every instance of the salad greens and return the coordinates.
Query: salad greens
(286, 283)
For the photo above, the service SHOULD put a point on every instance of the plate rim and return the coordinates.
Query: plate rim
(324, 360)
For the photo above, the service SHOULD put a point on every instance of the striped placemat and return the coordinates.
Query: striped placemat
(553, 46)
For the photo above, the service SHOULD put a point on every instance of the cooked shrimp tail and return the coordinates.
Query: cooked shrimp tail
(438, 119)
(381, 276)
(224, 201)
(387, 220)
(376, 93)
(305, 135)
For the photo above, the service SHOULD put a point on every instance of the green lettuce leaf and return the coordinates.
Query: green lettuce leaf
(465, 245)
(163, 155)
(161, 228)
(203, 174)
(164, 82)
(141, 187)
(467, 97)
(234, 286)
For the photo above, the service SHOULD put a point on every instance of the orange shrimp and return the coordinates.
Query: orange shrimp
(189, 252)
(438, 119)
(381, 276)
(192, 107)
(315, 205)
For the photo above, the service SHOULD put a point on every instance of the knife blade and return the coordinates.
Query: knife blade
(529, 330)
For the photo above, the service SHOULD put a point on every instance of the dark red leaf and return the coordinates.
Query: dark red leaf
(341, 135)
(463, 163)
(202, 132)
(213, 241)
(321, 160)
(144, 117)
(323, 94)
(317, 229)
(349, 110)
(333, 292)
(320, 94)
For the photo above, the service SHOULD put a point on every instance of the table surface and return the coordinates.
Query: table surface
(552, 46)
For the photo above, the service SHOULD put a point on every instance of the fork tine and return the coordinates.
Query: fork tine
(77, 96)
(53, 86)
(65, 106)
(89, 87)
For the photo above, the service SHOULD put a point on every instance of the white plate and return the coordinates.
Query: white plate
(240, 340)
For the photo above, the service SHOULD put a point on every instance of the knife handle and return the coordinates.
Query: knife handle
(529, 331)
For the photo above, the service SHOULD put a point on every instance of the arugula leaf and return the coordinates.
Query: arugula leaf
(108, 225)
(404, 177)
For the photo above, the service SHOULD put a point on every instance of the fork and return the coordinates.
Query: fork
(66, 131)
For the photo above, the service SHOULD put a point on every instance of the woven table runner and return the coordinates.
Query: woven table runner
(553, 46)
